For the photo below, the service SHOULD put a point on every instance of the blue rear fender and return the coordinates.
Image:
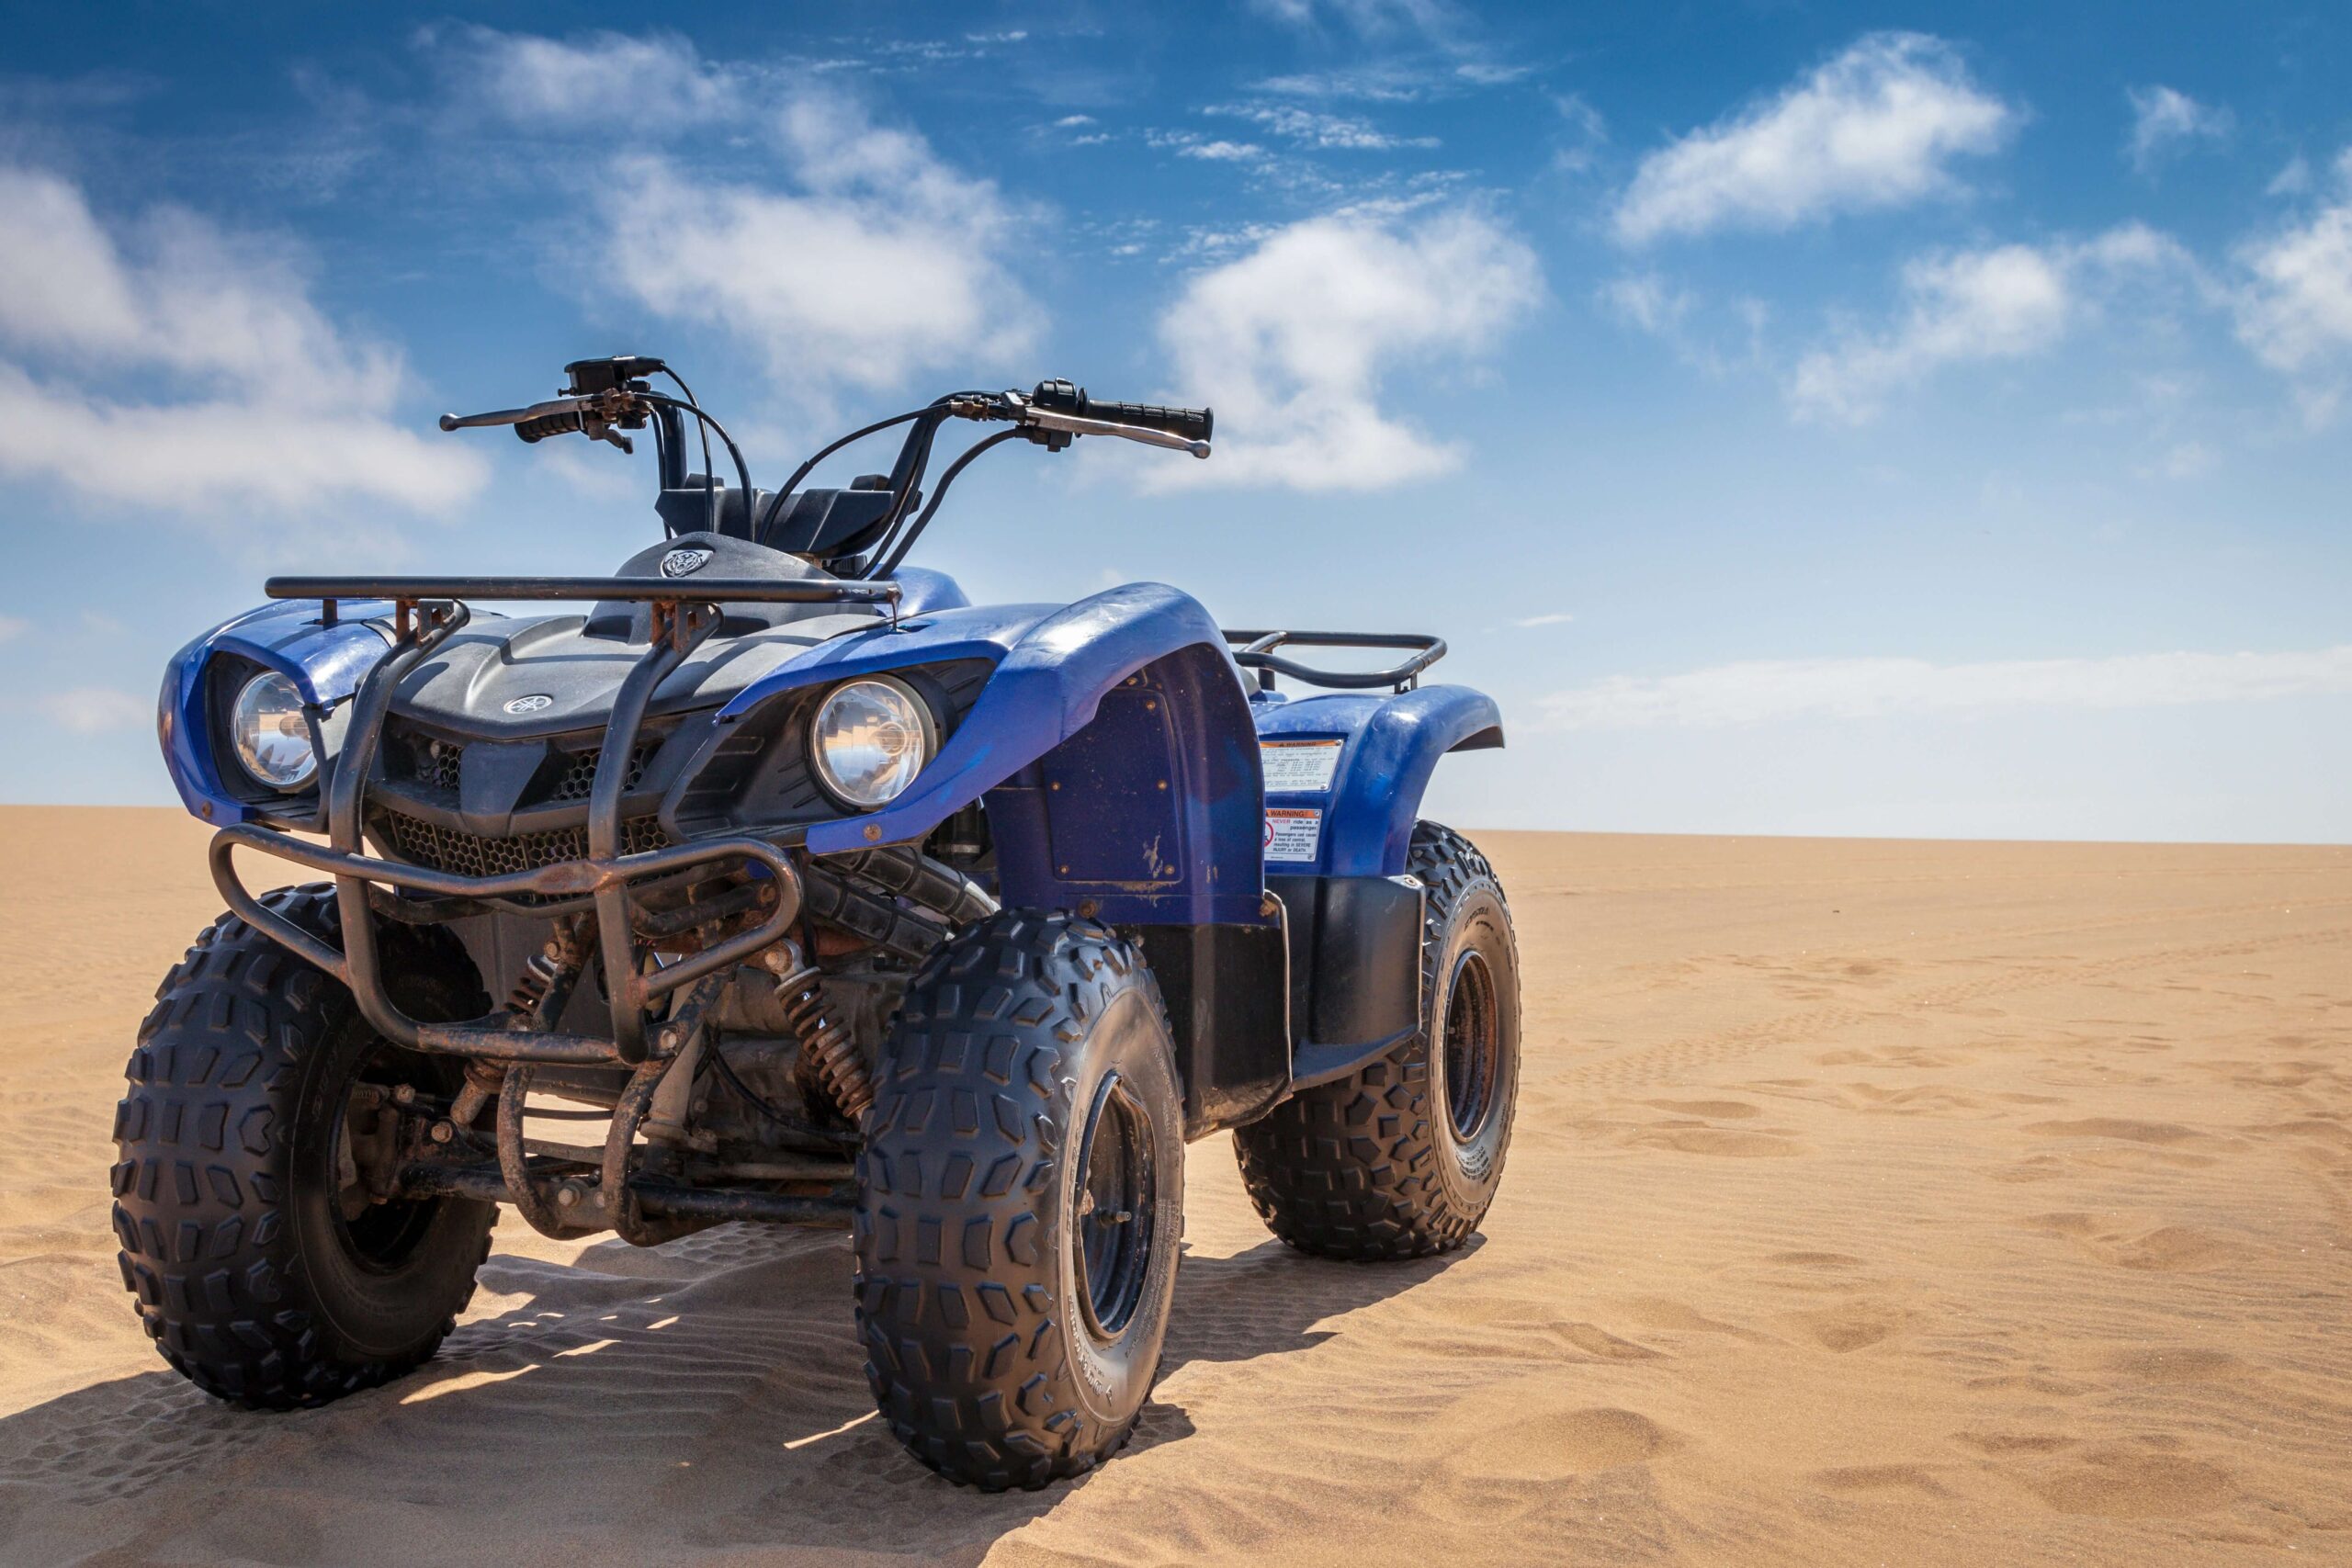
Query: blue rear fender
(1389, 745)
(1348, 797)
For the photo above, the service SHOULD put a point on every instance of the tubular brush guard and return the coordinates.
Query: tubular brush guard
(428, 613)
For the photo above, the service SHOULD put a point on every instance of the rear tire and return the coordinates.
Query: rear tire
(263, 1273)
(1012, 1321)
(1401, 1158)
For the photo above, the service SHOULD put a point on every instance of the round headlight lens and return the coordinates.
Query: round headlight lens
(869, 740)
(272, 737)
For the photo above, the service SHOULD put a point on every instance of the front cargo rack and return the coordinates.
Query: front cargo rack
(1256, 652)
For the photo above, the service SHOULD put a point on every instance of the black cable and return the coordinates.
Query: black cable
(760, 1102)
(662, 468)
(709, 480)
(886, 568)
(776, 501)
(938, 408)
(742, 470)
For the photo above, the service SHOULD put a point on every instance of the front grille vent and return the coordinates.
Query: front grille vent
(580, 777)
(429, 844)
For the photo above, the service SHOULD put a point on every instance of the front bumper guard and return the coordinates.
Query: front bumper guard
(429, 612)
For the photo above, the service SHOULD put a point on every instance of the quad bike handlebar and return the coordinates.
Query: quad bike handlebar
(603, 398)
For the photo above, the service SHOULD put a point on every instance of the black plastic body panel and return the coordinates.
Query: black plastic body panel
(1355, 969)
(1226, 991)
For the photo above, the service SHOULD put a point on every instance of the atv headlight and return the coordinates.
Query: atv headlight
(869, 740)
(272, 737)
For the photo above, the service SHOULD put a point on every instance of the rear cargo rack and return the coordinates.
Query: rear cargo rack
(1258, 653)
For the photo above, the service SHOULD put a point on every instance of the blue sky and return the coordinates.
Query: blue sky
(1922, 419)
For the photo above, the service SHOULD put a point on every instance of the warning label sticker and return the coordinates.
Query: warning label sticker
(1292, 832)
(1295, 765)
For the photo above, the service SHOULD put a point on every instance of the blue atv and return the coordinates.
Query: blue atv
(797, 889)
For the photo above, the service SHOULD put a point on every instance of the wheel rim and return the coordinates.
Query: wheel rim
(378, 1236)
(1473, 1045)
(1110, 1243)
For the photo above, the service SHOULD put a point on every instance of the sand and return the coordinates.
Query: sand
(1869, 1201)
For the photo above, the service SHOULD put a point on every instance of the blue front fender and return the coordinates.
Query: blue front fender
(326, 664)
(1160, 819)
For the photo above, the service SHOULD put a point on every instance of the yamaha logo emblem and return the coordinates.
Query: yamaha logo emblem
(684, 563)
(531, 703)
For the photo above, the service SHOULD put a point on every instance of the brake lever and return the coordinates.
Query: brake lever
(590, 416)
(515, 416)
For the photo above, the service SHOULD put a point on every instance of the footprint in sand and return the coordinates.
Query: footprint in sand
(1554, 1443)
(1852, 1326)
(2182, 1364)
(1713, 1110)
(1722, 1140)
(2118, 1127)
(2129, 1482)
(2167, 1249)
(1594, 1340)
(1880, 1478)
(1673, 1316)
(1999, 1444)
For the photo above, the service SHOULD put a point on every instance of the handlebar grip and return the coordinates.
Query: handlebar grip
(1192, 424)
(564, 424)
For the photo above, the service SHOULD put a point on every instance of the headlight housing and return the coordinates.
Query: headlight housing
(869, 739)
(272, 734)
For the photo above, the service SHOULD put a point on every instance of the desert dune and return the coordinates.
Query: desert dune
(1869, 1201)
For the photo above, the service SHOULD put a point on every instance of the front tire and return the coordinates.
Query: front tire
(1020, 1198)
(264, 1271)
(1401, 1158)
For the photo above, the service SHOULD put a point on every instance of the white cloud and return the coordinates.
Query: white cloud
(882, 264)
(94, 710)
(1292, 342)
(1646, 300)
(1876, 126)
(1561, 618)
(1583, 135)
(847, 253)
(1219, 151)
(1372, 18)
(2185, 460)
(2004, 302)
(2163, 117)
(246, 393)
(1314, 129)
(13, 626)
(2294, 310)
(2293, 179)
(1766, 692)
(585, 85)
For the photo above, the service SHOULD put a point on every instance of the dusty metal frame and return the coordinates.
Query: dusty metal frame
(428, 612)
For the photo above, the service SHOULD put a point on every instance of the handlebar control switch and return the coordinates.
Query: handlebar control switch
(592, 378)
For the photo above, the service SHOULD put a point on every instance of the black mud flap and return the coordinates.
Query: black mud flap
(1228, 1001)
(1355, 970)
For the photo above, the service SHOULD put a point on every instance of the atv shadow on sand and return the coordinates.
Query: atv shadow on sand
(706, 1385)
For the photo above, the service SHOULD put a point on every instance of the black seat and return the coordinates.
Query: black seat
(824, 525)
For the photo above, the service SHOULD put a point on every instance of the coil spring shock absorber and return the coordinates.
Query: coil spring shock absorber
(831, 1057)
